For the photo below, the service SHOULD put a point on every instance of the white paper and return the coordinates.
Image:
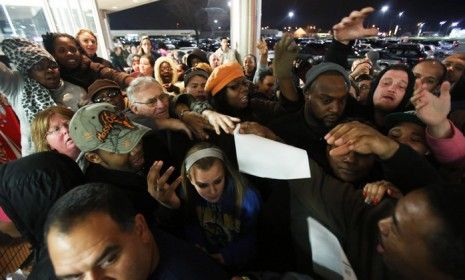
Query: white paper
(326, 250)
(266, 158)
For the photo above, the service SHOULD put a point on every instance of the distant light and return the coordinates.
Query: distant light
(401, 14)
(229, 3)
(219, 27)
(442, 22)
(384, 9)
(454, 24)
(215, 21)
(291, 14)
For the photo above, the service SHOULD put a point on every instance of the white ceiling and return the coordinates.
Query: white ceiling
(120, 5)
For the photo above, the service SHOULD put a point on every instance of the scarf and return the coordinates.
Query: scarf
(24, 54)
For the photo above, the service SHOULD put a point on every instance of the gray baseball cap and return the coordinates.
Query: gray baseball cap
(103, 126)
(324, 67)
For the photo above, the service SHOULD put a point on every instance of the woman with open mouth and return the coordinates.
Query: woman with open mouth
(50, 132)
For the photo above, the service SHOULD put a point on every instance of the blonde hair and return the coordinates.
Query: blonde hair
(230, 173)
(41, 124)
(85, 30)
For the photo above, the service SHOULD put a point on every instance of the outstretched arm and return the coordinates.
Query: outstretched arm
(348, 29)
(446, 142)
(285, 52)
(351, 27)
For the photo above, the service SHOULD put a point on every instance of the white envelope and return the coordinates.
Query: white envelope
(327, 253)
(262, 157)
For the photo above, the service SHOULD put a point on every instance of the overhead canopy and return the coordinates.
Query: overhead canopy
(120, 5)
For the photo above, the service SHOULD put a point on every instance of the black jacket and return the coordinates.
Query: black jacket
(301, 130)
(28, 189)
(341, 208)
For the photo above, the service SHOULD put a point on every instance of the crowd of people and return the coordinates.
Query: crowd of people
(128, 170)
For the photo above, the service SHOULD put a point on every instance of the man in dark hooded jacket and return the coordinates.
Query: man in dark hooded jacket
(28, 189)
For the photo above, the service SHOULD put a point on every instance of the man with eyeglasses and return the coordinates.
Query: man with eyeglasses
(149, 105)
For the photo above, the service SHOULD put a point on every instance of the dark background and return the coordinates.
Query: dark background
(322, 13)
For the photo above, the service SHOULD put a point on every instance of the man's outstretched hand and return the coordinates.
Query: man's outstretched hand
(351, 27)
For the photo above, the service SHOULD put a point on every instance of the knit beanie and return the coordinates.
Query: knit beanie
(223, 75)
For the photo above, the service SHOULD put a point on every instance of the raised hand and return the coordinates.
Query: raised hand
(159, 188)
(351, 27)
(262, 47)
(285, 52)
(433, 110)
(360, 138)
(220, 121)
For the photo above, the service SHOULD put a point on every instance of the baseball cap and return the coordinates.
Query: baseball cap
(103, 126)
(324, 67)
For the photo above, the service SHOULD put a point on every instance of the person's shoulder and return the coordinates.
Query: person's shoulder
(177, 259)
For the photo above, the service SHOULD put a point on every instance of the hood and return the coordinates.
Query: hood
(158, 62)
(31, 185)
(404, 104)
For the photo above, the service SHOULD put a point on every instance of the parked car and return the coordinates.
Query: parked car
(387, 59)
(313, 52)
(411, 54)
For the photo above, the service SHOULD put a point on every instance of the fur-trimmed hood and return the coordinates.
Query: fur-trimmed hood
(158, 62)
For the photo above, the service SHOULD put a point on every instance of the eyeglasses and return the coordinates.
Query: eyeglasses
(44, 65)
(57, 129)
(244, 82)
(153, 101)
(106, 96)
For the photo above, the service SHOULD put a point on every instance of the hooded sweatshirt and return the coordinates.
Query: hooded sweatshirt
(28, 189)
(404, 104)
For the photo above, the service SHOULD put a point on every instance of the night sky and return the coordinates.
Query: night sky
(322, 13)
